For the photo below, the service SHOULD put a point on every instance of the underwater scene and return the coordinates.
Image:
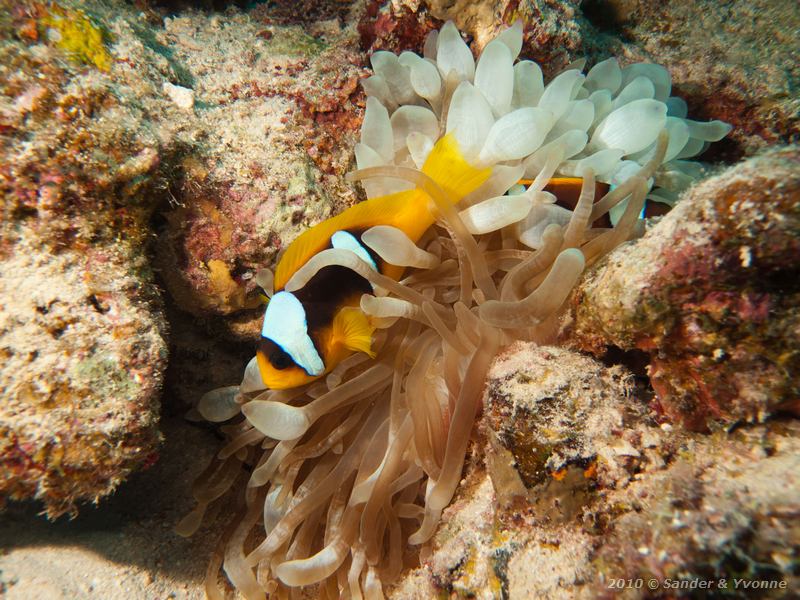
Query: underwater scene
(403, 299)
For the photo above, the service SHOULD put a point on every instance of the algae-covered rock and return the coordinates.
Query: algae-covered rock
(552, 409)
(734, 61)
(273, 127)
(81, 329)
(83, 353)
(116, 125)
(553, 32)
(710, 292)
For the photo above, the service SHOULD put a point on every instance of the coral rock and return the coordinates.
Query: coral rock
(82, 336)
(735, 61)
(711, 293)
(550, 410)
(395, 26)
(552, 30)
(83, 352)
(271, 135)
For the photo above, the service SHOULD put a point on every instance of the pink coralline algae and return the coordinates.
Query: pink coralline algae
(291, 107)
(551, 31)
(395, 27)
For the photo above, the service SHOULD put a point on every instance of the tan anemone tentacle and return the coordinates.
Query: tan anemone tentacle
(573, 235)
(513, 287)
(544, 301)
(461, 422)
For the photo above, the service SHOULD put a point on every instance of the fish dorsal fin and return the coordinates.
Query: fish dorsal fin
(352, 329)
(567, 190)
(383, 210)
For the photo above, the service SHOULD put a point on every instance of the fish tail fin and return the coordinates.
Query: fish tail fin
(447, 166)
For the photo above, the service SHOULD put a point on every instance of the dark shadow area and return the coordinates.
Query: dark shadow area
(201, 359)
(269, 11)
(604, 15)
(174, 6)
(727, 151)
(300, 11)
(635, 361)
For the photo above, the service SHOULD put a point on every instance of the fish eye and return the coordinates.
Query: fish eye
(280, 359)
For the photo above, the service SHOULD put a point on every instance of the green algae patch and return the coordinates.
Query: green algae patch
(74, 32)
(298, 185)
(104, 369)
(294, 42)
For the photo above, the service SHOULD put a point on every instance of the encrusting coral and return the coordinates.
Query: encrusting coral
(339, 476)
(573, 483)
(82, 334)
(75, 33)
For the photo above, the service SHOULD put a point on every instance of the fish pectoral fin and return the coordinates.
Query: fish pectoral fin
(353, 330)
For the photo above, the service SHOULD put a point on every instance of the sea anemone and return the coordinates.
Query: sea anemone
(337, 478)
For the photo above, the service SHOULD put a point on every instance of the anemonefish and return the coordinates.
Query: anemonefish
(568, 189)
(309, 331)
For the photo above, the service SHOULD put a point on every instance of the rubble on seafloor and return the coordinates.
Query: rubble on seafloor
(142, 149)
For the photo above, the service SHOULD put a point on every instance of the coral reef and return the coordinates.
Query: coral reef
(273, 123)
(395, 27)
(734, 61)
(125, 548)
(742, 72)
(160, 143)
(552, 30)
(551, 411)
(710, 292)
(83, 352)
(110, 125)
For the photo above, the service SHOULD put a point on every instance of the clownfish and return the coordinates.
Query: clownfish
(307, 332)
(567, 191)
